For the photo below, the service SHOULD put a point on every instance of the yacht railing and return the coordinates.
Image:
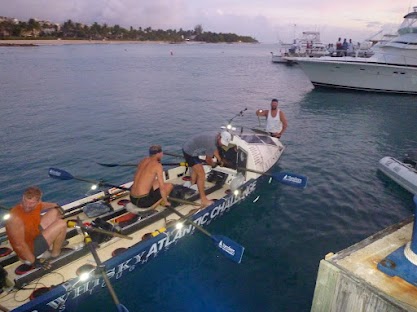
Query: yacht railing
(380, 58)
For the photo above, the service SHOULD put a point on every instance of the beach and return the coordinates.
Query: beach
(37, 42)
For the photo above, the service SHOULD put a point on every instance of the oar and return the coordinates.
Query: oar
(72, 224)
(4, 208)
(101, 269)
(173, 154)
(287, 178)
(117, 165)
(64, 175)
(66, 213)
(225, 245)
(103, 197)
(183, 201)
(135, 165)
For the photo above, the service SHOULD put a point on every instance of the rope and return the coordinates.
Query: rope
(409, 254)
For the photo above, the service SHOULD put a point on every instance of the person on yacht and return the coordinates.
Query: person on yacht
(276, 122)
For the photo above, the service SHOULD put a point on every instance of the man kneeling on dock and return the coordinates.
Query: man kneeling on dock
(148, 189)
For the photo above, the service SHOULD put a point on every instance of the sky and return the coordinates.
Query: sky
(268, 21)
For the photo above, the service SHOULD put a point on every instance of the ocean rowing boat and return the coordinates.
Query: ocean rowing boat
(105, 218)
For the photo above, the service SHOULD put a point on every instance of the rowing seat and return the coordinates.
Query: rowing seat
(140, 211)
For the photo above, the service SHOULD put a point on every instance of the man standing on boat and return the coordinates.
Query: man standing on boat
(276, 122)
(30, 233)
(204, 144)
(148, 189)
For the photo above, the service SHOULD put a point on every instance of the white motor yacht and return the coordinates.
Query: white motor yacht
(392, 68)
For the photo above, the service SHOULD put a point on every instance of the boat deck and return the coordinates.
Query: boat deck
(76, 255)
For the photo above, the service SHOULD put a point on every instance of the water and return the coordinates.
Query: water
(72, 106)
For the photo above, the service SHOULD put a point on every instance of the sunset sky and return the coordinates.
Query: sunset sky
(266, 20)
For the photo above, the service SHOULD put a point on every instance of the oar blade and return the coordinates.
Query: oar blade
(60, 174)
(291, 179)
(121, 308)
(4, 208)
(229, 248)
(108, 165)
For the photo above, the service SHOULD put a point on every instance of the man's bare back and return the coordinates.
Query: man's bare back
(149, 189)
(146, 177)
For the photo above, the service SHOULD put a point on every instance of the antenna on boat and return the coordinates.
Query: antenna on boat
(229, 124)
(238, 114)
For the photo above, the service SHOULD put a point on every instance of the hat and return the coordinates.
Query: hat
(225, 138)
(155, 149)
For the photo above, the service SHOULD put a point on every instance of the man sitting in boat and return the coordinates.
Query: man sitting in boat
(149, 189)
(204, 144)
(32, 234)
(276, 122)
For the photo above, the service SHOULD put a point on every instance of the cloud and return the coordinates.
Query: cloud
(267, 20)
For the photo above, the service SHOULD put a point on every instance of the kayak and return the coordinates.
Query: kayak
(404, 173)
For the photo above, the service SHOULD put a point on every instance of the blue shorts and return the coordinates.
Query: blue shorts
(191, 160)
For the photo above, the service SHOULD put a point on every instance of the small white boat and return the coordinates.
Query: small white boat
(279, 56)
(149, 235)
(404, 173)
(309, 45)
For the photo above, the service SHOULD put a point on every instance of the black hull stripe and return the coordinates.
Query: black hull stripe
(335, 62)
(328, 85)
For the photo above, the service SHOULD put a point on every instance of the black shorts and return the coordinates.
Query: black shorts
(40, 245)
(146, 201)
(191, 160)
(272, 135)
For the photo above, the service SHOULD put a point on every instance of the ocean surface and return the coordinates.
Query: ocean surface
(72, 106)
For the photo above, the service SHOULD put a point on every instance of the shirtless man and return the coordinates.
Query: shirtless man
(276, 122)
(148, 189)
(30, 233)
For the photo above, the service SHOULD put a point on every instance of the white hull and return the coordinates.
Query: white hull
(392, 68)
(360, 75)
(151, 234)
(401, 173)
(278, 58)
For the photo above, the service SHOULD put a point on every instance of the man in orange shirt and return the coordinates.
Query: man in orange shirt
(30, 233)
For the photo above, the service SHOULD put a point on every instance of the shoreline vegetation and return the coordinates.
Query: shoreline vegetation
(34, 32)
(50, 42)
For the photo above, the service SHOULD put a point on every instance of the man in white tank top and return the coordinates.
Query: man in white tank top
(276, 123)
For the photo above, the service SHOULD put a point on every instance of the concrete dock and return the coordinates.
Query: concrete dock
(350, 280)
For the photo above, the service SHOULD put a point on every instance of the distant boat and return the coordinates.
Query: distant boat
(392, 68)
(308, 45)
(284, 50)
(368, 47)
